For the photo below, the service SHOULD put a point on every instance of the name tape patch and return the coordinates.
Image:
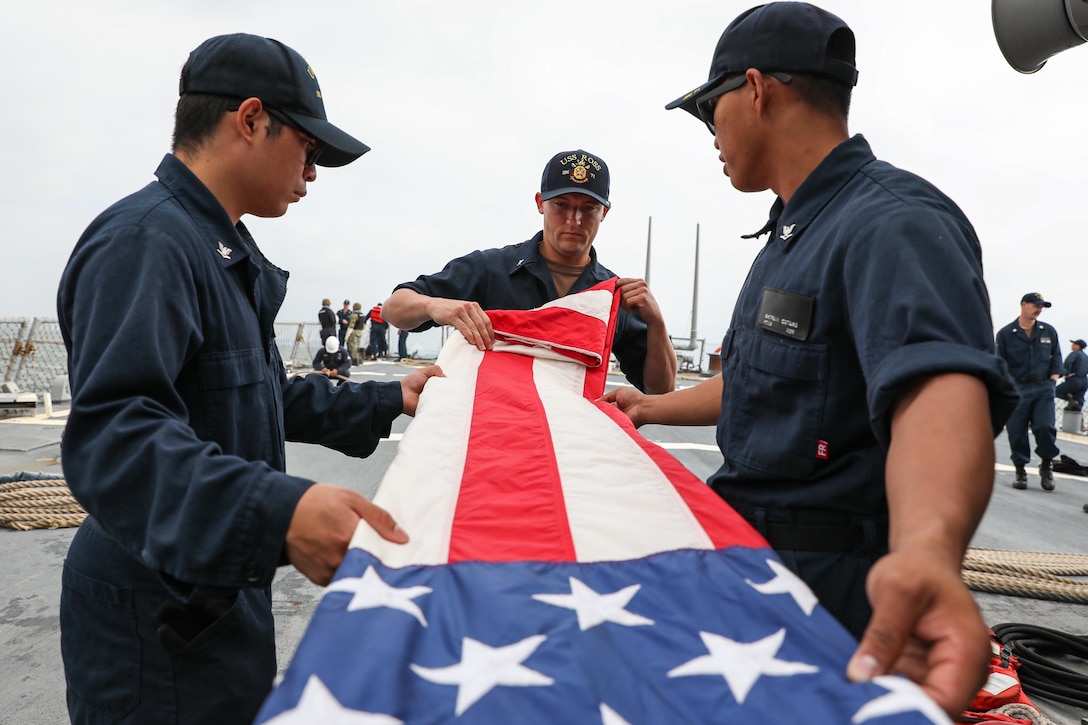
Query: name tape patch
(786, 313)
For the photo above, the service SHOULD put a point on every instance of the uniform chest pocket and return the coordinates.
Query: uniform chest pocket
(231, 369)
(232, 405)
(776, 404)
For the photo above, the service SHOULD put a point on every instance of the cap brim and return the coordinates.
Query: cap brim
(688, 100)
(340, 148)
(545, 195)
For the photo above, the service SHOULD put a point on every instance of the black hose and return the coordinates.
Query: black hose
(1041, 652)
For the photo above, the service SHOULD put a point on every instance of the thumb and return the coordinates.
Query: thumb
(380, 520)
(884, 639)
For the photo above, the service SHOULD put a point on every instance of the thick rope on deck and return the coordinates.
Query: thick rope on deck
(39, 504)
(1035, 574)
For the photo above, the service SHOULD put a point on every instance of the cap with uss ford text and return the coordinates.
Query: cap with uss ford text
(575, 172)
(247, 66)
(782, 36)
(1034, 298)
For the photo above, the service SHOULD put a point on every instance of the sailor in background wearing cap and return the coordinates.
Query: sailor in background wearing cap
(1076, 376)
(1033, 353)
(859, 395)
(559, 260)
(165, 606)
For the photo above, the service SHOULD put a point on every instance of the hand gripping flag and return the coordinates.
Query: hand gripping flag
(563, 569)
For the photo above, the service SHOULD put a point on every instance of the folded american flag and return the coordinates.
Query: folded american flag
(563, 569)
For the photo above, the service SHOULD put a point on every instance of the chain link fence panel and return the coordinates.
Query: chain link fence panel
(36, 356)
(36, 353)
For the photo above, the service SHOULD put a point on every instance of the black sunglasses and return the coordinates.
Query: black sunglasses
(315, 152)
(703, 103)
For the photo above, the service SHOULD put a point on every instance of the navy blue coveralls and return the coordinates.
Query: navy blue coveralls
(379, 328)
(1032, 360)
(340, 361)
(516, 277)
(327, 319)
(179, 459)
(870, 281)
(343, 324)
(1073, 387)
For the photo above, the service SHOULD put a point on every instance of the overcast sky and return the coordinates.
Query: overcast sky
(464, 102)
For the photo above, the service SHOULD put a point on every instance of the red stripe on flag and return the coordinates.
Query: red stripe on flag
(722, 524)
(510, 507)
(593, 387)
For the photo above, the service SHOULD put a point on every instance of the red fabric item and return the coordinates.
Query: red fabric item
(1002, 687)
(376, 314)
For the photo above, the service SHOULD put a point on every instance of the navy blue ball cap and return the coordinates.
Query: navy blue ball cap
(1034, 298)
(245, 66)
(782, 36)
(575, 172)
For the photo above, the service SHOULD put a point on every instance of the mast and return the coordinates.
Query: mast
(649, 235)
(695, 291)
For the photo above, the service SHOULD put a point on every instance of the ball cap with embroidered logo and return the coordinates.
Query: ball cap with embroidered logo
(575, 172)
(783, 36)
(245, 66)
(1034, 298)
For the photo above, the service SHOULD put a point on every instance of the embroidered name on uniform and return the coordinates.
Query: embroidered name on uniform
(224, 251)
(786, 313)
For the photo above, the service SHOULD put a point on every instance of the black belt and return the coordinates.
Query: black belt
(804, 537)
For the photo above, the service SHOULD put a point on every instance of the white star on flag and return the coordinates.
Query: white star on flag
(786, 582)
(741, 663)
(611, 717)
(903, 696)
(482, 668)
(594, 608)
(371, 592)
(317, 704)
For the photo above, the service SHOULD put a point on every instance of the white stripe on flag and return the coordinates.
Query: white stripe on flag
(429, 463)
(645, 514)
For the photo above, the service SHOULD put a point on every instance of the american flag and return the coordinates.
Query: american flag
(563, 569)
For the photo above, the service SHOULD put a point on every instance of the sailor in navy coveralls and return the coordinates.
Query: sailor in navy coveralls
(1076, 377)
(1033, 352)
(165, 608)
(859, 394)
(558, 261)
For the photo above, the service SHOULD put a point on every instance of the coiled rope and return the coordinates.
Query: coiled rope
(38, 504)
(1036, 574)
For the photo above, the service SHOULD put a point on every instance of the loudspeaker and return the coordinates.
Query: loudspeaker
(1030, 31)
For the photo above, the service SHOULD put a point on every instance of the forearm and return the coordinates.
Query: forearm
(697, 405)
(406, 309)
(940, 465)
(659, 369)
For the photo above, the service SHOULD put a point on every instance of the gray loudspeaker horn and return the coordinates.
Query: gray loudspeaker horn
(1030, 31)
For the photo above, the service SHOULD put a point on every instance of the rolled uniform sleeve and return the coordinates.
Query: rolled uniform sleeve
(932, 321)
(463, 278)
(516, 277)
